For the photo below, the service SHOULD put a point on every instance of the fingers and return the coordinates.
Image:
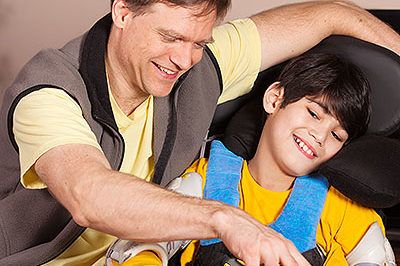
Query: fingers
(257, 244)
(300, 259)
(272, 249)
(276, 252)
(281, 251)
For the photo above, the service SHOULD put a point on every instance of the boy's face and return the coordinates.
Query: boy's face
(301, 136)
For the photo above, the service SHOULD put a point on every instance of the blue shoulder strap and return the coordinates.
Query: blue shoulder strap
(299, 219)
(301, 214)
(222, 178)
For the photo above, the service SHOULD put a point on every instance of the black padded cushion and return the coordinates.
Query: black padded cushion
(382, 69)
(367, 171)
(368, 174)
(244, 129)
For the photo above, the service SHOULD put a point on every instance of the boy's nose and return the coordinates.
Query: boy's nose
(319, 136)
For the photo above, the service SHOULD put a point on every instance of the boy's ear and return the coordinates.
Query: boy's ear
(273, 97)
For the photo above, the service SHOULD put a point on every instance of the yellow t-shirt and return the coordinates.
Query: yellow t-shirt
(49, 117)
(343, 222)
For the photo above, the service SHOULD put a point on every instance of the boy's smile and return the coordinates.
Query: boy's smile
(302, 136)
(296, 139)
(305, 148)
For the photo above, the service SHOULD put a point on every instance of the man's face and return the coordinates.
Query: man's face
(301, 136)
(157, 47)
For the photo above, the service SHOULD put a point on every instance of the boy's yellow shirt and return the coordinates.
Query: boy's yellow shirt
(343, 222)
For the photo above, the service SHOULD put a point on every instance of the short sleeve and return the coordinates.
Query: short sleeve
(43, 120)
(237, 48)
(346, 222)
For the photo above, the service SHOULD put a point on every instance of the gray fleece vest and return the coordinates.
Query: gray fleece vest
(34, 227)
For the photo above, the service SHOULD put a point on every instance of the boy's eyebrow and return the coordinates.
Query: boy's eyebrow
(322, 105)
(179, 36)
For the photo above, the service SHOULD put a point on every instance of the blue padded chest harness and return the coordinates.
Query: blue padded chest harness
(299, 219)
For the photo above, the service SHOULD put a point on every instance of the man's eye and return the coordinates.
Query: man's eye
(168, 39)
(199, 45)
(312, 113)
(336, 136)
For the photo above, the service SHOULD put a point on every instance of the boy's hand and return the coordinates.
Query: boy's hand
(253, 242)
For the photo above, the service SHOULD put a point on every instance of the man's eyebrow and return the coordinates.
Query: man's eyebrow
(177, 35)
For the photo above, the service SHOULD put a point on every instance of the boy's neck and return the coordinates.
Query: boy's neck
(268, 175)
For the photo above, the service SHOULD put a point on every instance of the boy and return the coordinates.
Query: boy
(320, 103)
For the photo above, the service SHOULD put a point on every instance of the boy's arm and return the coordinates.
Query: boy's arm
(373, 248)
(290, 30)
(358, 230)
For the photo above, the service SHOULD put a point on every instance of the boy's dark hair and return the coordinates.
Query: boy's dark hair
(220, 6)
(340, 85)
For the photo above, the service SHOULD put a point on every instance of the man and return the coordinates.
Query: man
(92, 120)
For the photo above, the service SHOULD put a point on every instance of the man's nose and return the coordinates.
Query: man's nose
(185, 56)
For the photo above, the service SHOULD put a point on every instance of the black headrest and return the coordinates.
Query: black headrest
(367, 170)
(382, 68)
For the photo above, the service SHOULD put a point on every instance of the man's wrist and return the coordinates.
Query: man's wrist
(220, 218)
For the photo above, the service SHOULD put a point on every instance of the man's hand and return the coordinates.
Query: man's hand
(254, 243)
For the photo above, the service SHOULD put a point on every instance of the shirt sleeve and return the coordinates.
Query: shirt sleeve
(354, 221)
(45, 119)
(144, 258)
(200, 167)
(237, 48)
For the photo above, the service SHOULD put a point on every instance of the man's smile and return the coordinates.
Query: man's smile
(165, 72)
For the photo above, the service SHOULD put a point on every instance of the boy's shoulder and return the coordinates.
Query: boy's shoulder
(339, 210)
(340, 203)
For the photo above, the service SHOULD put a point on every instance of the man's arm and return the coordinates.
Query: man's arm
(290, 30)
(98, 197)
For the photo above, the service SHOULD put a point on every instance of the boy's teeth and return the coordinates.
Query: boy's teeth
(304, 146)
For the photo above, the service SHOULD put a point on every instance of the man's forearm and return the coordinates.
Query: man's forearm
(120, 204)
(140, 211)
(290, 30)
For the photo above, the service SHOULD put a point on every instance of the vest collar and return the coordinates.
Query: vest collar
(93, 71)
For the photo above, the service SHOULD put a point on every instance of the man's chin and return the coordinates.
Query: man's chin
(162, 93)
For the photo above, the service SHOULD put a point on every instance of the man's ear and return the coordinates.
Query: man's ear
(119, 11)
(273, 97)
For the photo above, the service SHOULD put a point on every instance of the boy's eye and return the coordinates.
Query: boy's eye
(312, 113)
(336, 136)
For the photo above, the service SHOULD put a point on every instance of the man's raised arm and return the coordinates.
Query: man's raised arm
(290, 30)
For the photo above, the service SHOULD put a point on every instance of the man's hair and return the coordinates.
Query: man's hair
(338, 83)
(220, 6)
